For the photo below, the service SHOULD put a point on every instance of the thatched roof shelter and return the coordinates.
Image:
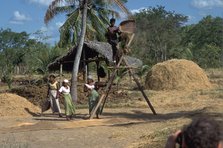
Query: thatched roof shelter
(92, 51)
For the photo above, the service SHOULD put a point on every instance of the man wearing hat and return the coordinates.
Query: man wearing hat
(93, 95)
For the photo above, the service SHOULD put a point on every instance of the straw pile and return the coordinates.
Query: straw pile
(14, 105)
(176, 74)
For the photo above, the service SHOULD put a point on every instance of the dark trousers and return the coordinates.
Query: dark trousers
(114, 51)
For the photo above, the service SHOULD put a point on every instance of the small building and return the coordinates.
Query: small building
(93, 51)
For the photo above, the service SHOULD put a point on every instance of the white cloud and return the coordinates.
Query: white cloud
(43, 29)
(47, 29)
(207, 3)
(45, 2)
(59, 24)
(190, 17)
(41, 2)
(137, 10)
(19, 18)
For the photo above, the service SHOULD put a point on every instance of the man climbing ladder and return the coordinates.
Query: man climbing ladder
(129, 28)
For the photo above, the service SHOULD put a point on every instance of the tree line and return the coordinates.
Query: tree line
(161, 35)
(19, 54)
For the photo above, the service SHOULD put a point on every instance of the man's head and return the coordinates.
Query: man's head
(202, 133)
(112, 21)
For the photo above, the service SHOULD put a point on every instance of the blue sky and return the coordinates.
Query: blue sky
(27, 15)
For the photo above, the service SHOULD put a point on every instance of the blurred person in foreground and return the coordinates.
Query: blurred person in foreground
(200, 133)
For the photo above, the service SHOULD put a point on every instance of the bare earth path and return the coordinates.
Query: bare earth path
(118, 127)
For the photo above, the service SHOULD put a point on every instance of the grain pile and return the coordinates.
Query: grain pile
(176, 74)
(14, 105)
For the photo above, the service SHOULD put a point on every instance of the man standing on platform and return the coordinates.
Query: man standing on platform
(112, 38)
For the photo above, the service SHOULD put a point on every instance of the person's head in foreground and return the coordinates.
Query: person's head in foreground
(200, 133)
(112, 22)
(65, 82)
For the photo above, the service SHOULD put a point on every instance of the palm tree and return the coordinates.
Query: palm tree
(97, 19)
(99, 13)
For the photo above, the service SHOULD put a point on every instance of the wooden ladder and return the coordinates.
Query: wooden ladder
(108, 88)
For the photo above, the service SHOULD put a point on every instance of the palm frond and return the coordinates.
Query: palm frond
(69, 30)
(50, 13)
(124, 9)
(97, 24)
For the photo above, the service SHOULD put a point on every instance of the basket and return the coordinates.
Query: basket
(128, 26)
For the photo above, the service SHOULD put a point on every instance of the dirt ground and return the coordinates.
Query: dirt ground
(129, 124)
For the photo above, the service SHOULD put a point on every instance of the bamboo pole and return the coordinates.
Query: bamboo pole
(141, 89)
(85, 66)
(107, 89)
(61, 74)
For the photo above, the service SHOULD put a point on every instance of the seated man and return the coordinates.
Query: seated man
(112, 38)
(201, 133)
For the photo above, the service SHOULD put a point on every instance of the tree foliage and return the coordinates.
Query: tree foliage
(97, 19)
(206, 41)
(163, 35)
(157, 32)
(20, 55)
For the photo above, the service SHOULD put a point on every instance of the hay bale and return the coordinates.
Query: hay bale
(14, 105)
(176, 74)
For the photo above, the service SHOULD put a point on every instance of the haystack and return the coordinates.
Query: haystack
(176, 74)
(14, 105)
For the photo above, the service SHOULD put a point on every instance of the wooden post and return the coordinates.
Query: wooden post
(88, 72)
(140, 88)
(109, 74)
(130, 41)
(85, 66)
(61, 73)
(107, 89)
(97, 64)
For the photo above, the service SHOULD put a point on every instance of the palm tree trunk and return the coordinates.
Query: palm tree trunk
(79, 52)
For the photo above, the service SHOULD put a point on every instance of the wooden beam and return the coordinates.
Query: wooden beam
(121, 67)
(97, 67)
(85, 67)
(61, 74)
(141, 89)
(88, 61)
(107, 89)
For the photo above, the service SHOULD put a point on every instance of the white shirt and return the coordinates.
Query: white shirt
(90, 86)
(64, 90)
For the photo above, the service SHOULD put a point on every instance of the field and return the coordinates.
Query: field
(126, 122)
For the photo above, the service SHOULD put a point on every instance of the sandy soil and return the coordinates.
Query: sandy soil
(118, 127)
(128, 124)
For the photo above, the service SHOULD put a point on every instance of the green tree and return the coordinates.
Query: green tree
(19, 54)
(12, 51)
(209, 56)
(206, 41)
(158, 31)
(45, 57)
(97, 18)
